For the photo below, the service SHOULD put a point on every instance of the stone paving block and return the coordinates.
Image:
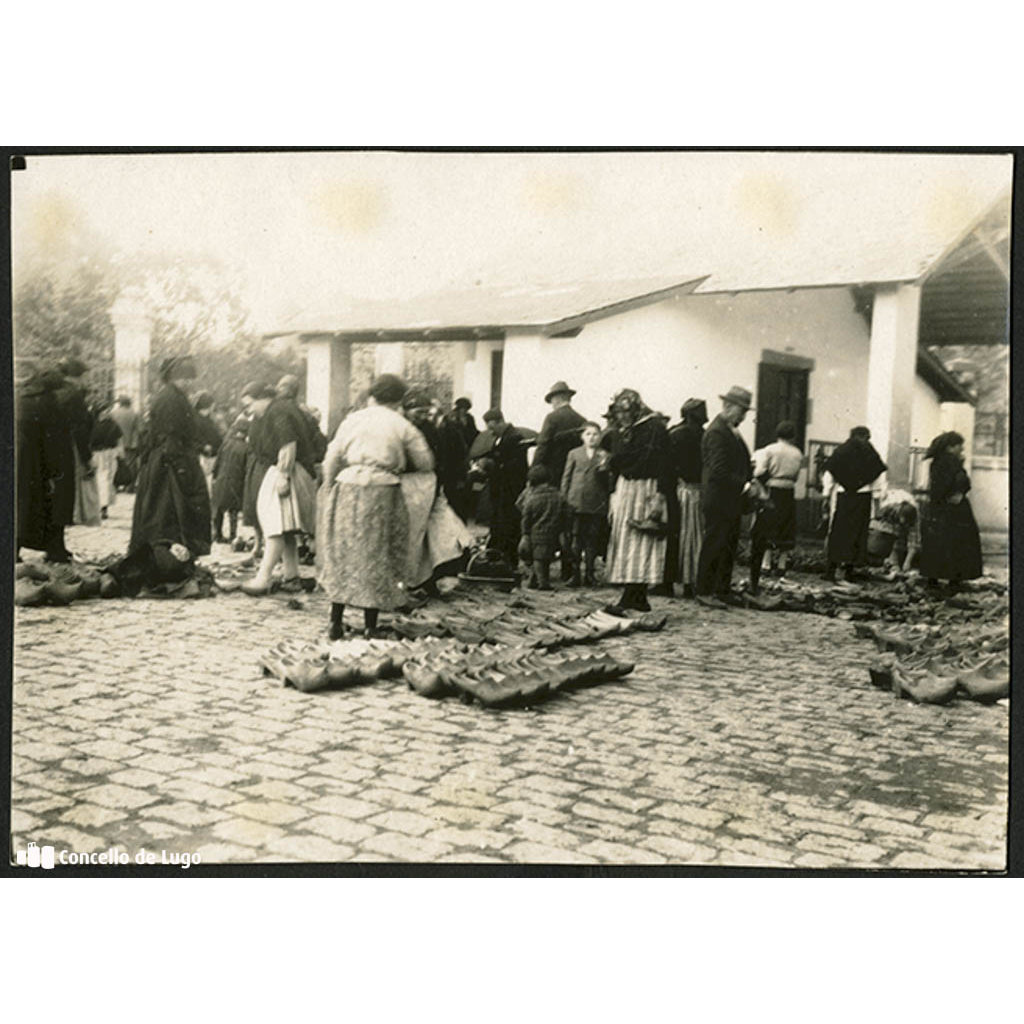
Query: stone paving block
(186, 789)
(21, 821)
(136, 777)
(214, 776)
(246, 832)
(891, 827)
(63, 837)
(916, 861)
(533, 812)
(272, 811)
(537, 853)
(160, 830)
(955, 823)
(275, 789)
(224, 853)
(310, 848)
(471, 816)
(111, 750)
(624, 801)
(408, 822)
(43, 752)
(406, 848)
(621, 853)
(163, 763)
(623, 819)
(846, 852)
(118, 797)
(690, 815)
(184, 813)
(548, 784)
(679, 851)
(269, 770)
(534, 832)
(477, 838)
(91, 815)
(337, 829)
(396, 800)
(345, 807)
(90, 766)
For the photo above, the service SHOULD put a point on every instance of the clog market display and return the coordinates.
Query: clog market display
(936, 664)
(513, 658)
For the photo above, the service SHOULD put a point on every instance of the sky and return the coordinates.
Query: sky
(319, 230)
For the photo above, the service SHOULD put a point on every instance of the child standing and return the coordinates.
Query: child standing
(586, 484)
(229, 479)
(545, 516)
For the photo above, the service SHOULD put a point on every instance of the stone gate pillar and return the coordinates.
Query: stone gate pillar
(132, 331)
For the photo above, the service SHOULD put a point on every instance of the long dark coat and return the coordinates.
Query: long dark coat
(172, 502)
(726, 469)
(561, 432)
(229, 473)
(950, 544)
(45, 467)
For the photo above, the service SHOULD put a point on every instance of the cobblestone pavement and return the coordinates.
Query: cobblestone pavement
(741, 739)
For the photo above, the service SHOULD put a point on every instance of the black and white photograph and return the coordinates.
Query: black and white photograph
(394, 510)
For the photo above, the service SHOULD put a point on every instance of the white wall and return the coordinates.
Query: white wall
(990, 492)
(700, 345)
(925, 417)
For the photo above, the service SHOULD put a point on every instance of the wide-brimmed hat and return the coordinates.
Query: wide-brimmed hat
(738, 396)
(559, 388)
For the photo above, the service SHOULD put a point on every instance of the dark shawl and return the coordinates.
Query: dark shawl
(684, 442)
(855, 464)
(281, 424)
(644, 453)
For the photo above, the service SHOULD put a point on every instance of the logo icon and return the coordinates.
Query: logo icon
(35, 857)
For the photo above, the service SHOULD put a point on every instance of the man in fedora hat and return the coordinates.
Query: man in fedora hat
(725, 475)
(561, 431)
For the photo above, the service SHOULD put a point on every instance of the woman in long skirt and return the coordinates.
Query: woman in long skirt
(228, 490)
(172, 502)
(950, 542)
(636, 548)
(286, 498)
(362, 524)
(852, 473)
(687, 464)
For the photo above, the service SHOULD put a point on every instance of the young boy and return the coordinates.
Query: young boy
(545, 516)
(586, 484)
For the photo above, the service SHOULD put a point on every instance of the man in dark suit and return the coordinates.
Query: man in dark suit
(725, 476)
(560, 433)
(506, 462)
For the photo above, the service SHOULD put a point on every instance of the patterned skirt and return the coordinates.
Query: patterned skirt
(691, 532)
(362, 544)
(635, 556)
(296, 512)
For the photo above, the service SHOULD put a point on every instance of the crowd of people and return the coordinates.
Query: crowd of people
(385, 503)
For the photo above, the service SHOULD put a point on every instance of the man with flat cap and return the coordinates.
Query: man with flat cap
(725, 475)
(561, 431)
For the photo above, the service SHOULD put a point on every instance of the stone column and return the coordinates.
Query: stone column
(328, 372)
(892, 367)
(132, 330)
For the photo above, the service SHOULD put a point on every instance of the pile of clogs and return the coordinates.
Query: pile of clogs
(932, 665)
(312, 667)
(53, 583)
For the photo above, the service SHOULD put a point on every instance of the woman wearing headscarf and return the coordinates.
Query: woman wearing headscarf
(363, 527)
(852, 472)
(636, 548)
(44, 466)
(172, 502)
(286, 497)
(684, 444)
(950, 543)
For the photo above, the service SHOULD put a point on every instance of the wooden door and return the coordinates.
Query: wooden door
(781, 395)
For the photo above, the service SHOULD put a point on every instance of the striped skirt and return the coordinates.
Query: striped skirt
(691, 532)
(635, 556)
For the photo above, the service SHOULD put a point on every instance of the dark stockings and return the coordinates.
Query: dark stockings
(634, 596)
(337, 627)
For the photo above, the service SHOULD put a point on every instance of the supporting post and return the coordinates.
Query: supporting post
(892, 366)
(328, 373)
(132, 330)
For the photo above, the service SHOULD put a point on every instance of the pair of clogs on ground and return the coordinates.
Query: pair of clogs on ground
(526, 679)
(927, 680)
(294, 585)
